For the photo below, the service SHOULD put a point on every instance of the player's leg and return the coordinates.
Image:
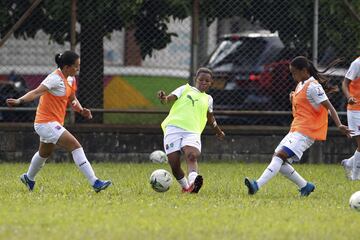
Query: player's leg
(37, 162)
(172, 149)
(291, 147)
(273, 168)
(71, 144)
(174, 160)
(191, 156)
(349, 164)
(299, 144)
(191, 146)
(356, 161)
(48, 136)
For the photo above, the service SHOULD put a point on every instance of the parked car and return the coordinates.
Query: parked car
(16, 89)
(251, 72)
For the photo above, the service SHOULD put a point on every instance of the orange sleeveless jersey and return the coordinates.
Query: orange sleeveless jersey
(53, 108)
(354, 90)
(307, 120)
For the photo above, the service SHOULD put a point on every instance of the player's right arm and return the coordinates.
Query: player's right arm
(28, 97)
(345, 89)
(165, 99)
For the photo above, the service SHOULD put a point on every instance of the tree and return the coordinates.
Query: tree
(98, 19)
(294, 23)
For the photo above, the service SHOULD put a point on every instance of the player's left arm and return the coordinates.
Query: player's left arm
(344, 129)
(77, 107)
(212, 122)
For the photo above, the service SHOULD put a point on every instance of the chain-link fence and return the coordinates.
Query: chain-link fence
(131, 49)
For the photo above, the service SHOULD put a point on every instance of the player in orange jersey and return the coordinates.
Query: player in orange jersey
(56, 91)
(351, 90)
(310, 107)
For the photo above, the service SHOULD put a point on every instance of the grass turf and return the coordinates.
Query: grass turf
(63, 206)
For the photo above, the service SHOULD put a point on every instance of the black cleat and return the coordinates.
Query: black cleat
(197, 184)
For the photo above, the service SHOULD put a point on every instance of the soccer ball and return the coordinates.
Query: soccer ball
(355, 201)
(160, 180)
(158, 156)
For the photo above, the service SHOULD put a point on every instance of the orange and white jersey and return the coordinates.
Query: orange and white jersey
(309, 119)
(353, 74)
(52, 105)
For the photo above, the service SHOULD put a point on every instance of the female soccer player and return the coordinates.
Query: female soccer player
(310, 107)
(351, 90)
(55, 92)
(192, 109)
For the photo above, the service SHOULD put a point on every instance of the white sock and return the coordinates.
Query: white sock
(37, 162)
(356, 166)
(270, 171)
(192, 176)
(84, 165)
(184, 183)
(289, 172)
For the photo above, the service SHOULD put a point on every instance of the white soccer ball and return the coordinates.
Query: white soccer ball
(355, 201)
(160, 180)
(158, 156)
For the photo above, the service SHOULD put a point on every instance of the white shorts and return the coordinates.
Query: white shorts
(175, 141)
(353, 118)
(49, 132)
(297, 143)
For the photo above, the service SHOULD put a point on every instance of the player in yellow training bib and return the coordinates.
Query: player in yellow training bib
(182, 128)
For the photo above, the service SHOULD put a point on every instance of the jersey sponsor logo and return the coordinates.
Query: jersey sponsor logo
(167, 146)
(192, 100)
(58, 127)
(319, 91)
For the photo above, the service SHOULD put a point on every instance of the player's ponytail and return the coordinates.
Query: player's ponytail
(66, 58)
(302, 62)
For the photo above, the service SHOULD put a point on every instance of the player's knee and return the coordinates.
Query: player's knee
(192, 156)
(75, 145)
(282, 155)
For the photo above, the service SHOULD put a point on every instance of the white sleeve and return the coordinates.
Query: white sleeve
(316, 93)
(177, 92)
(354, 70)
(52, 81)
(211, 103)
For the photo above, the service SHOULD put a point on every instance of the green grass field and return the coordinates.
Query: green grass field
(63, 206)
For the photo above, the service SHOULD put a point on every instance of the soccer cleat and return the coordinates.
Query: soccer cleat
(28, 183)
(100, 185)
(309, 188)
(252, 186)
(348, 170)
(197, 184)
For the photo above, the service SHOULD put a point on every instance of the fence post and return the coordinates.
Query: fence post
(195, 22)
(316, 32)
(73, 44)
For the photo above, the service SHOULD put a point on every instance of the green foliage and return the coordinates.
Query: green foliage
(63, 205)
(338, 31)
(151, 23)
(213, 9)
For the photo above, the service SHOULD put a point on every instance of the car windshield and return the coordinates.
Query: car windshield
(244, 51)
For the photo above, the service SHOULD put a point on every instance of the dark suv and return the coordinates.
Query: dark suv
(251, 72)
